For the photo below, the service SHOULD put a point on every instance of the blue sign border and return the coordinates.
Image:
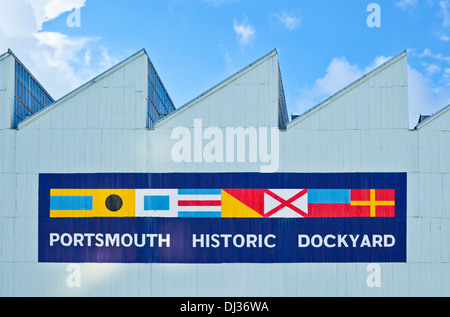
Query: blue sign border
(286, 230)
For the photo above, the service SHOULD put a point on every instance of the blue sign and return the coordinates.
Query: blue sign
(222, 217)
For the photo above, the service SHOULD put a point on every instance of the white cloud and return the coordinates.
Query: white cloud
(340, 73)
(433, 63)
(87, 57)
(425, 94)
(226, 56)
(446, 77)
(17, 19)
(424, 98)
(432, 69)
(444, 12)
(63, 48)
(437, 56)
(59, 61)
(245, 32)
(46, 10)
(406, 3)
(289, 20)
(107, 61)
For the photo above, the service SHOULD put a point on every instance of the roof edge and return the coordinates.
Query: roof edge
(3, 56)
(346, 89)
(78, 90)
(214, 88)
(432, 117)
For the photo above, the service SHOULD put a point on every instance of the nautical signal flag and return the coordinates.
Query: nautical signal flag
(264, 203)
(155, 202)
(178, 203)
(86, 203)
(351, 203)
(225, 203)
(374, 202)
(197, 203)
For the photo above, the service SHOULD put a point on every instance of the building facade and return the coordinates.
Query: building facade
(113, 191)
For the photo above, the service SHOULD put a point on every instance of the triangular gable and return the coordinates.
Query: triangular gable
(361, 93)
(58, 103)
(248, 97)
(436, 118)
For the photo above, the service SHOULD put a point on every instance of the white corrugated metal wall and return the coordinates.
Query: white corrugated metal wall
(101, 128)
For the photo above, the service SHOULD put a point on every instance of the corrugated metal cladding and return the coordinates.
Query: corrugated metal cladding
(111, 191)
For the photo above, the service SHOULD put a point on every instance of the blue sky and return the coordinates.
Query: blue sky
(323, 45)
